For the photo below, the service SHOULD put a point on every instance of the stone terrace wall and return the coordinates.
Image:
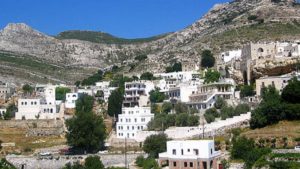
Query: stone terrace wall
(36, 127)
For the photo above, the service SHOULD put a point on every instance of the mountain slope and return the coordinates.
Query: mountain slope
(225, 26)
(101, 37)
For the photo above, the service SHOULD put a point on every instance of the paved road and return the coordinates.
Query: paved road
(57, 162)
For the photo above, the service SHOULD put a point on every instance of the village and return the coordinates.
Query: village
(190, 104)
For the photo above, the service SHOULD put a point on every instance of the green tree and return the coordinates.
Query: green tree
(4, 164)
(181, 108)
(207, 59)
(241, 109)
(227, 112)
(211, 76)
(60, 93)
(210, 115)
(182, 119)
(166, 107)
(77, 83)
(93, 79)
(193, 120)
(115, 101)
(269, 111)
(10, 111)
(156, 96)
(155, 144)
(291, 93)
(246, 91)
(84, 103)
(147, 76)
(176, 67)
(220, 102)
(86, 130)
(93, 162)
(27, 88)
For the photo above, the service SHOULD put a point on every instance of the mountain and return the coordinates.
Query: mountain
(72, 55)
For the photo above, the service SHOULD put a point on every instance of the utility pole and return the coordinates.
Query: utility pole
(125, 152)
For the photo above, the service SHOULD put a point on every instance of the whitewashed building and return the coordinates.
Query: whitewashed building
(40, 106)
(137, 93)
(132, 120)
(182, 92)
(71, 99)
(191, 154)
(230, 55)
(206, 94)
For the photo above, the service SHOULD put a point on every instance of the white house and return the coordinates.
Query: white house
(229, 55)
(71, 99)
(40, 106)
(182, 92)
(132, 120)
(207, 94)
(192, 154)
(137, 93)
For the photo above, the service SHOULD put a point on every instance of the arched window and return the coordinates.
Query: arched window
(260, 50)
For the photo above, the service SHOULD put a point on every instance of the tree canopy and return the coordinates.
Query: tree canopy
(176, 67)
(60, 93)
(91, 162)
(147, 76)
(92, 79)
(291, 93)
(115, 102)
(246, 91)
(86, 131)
(155, 144)
(156, 96)
(27, 88)
(211, 76)
(207, 59)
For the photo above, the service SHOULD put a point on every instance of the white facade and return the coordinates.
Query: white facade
(41, 106)
(87, 91)
(182, 92)
(2, 112)
(132, 120)
(206, 94)
(190, 149)
(137, 93)
(229, 55)
(180, 76)
(104, 84)
(71, 99)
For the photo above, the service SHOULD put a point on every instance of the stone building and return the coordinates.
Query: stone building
(191, 154)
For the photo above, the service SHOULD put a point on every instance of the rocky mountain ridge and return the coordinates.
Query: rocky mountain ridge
(209, 32)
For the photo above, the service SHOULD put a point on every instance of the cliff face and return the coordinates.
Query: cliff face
(213, 30)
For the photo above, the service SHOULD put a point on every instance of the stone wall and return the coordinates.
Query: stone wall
(36, 127)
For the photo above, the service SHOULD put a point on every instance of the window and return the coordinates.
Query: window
(135, 120)
(138, 127)
(185, 164)
(181, 151)
(196, 151)
(142, 127)
(188, 150)
(174, 151)
(132, 127)
(174, 164)
(191, 164)
(127, 127)
(211, 151)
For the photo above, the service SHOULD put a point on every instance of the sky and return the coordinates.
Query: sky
(122, 18)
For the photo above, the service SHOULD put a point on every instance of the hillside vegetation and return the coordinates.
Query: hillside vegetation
(101, 37)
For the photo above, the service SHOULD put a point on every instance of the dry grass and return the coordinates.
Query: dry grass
(282, 129)
(18, 136)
